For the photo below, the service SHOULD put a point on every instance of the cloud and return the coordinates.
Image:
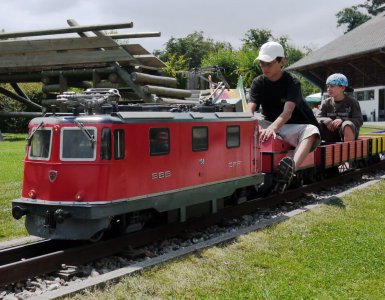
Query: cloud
(304, 22)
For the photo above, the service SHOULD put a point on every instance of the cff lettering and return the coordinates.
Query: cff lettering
(160, 175)
(234, 164)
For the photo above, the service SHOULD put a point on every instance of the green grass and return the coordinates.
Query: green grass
(12, 151)
(335, 251)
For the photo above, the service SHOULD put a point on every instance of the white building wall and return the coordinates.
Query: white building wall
(369, 102)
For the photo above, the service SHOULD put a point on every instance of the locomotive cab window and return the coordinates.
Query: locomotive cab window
(159, 141)
(119, 144)
(78, 145)
(233, 137)
(200, 138)
(40, 144)
(105, 146)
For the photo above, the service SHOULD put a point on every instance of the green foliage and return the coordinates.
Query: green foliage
(292, 54)
(18, 125)
(197, 51)
(351, 17)
(175, 67)
(193, 47)
(372, 6)
(246, 65)
(242, 61)
(255, 38)
(226, 59)
(307, 87)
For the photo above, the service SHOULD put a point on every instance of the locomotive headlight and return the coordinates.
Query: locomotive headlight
(56, 128)
(32, 194)
(79, 196)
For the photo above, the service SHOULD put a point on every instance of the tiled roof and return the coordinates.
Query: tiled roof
(366, 38)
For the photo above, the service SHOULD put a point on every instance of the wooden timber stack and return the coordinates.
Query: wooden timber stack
(91, 59)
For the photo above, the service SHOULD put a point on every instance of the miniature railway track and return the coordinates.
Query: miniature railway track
(22, 262)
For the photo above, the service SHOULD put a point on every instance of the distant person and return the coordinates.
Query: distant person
(339, 115)
(284, 109)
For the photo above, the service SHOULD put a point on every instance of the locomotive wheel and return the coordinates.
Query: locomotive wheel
(320, 176)
(300, 179)
(309, 177)
(97, 236)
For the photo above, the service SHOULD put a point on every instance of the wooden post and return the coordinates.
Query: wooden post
(142, 78)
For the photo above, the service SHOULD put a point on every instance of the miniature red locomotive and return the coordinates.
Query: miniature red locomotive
(84, 173)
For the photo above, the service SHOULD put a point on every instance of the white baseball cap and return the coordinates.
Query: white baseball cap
(270, 51)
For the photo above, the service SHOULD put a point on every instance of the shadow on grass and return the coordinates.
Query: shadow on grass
(337, 202)
(14, 139)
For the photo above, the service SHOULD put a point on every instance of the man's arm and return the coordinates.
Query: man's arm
(279, 122)
(251, 107)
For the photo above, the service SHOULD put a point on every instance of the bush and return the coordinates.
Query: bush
(18, 124)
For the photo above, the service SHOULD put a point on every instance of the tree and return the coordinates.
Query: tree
(351, 17)
(255, 38)
(174, 67)
(373, 6)
(226, 59)
(193, 47)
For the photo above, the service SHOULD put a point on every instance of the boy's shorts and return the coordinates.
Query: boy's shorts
(338, 135)
(294, 134)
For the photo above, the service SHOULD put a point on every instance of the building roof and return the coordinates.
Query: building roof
(359, 54)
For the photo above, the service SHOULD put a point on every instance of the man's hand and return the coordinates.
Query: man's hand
(266, 134)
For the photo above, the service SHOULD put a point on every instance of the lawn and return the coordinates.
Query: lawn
(11, 172)
(335, 251)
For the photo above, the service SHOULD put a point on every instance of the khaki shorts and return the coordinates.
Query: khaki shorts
(338, 135)
(294, 134)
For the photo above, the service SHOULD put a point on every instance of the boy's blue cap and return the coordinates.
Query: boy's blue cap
(339, 79)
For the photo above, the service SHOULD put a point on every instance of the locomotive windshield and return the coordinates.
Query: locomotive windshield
(40, 144)
(75, 145)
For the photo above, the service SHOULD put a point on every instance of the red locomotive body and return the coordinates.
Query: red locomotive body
(86, 170)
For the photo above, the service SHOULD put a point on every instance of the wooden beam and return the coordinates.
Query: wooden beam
(122, 73)
(66, 30)
(316, 75)
(134, 35)
(380, 62)
(360, 71)
(135, 49)
(142, 78)
(64, 58)
(21, 47)
(74, 23)
(150, 61)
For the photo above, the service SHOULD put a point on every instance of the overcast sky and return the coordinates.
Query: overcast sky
(305, 22)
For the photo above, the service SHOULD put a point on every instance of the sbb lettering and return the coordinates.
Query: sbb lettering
(160, 175)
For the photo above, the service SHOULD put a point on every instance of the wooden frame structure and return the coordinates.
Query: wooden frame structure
(90, 59)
